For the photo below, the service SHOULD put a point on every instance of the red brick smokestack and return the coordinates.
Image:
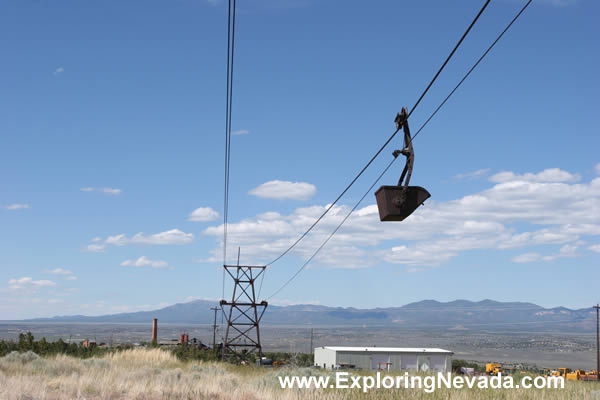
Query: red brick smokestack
(154, 331)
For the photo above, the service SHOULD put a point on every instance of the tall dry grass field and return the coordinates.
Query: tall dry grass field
(144, 374)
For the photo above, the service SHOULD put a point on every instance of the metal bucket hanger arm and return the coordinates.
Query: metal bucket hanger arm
(407, 151)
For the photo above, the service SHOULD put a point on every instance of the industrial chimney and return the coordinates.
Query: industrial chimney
(154, 331)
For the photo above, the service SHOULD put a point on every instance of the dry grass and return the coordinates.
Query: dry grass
(143, 374)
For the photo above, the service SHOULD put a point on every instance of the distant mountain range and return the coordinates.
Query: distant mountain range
(426, 314)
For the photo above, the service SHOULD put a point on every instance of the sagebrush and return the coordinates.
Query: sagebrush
(153, 374)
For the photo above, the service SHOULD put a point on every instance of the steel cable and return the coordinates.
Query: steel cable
(412, 138)
(386, 142)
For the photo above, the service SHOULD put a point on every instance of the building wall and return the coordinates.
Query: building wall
(409, 362)
(372, 360)
(325, 358)
(360, 360)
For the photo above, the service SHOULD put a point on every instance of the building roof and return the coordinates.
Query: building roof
(389, 349)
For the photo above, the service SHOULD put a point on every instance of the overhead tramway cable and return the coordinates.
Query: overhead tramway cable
(331, 205)
(485, 53)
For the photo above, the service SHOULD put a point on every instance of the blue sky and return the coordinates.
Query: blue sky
(112, 134)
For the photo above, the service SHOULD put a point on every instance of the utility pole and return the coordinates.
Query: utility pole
(597, 307)
(215, 329)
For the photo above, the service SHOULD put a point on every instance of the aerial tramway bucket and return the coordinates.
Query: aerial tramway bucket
(396, 203)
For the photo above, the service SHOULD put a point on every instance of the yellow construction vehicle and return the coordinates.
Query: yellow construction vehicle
(589, 376)
(575, 375)
(560, 372)
(493, 369)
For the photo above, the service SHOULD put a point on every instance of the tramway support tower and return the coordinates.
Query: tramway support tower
(243, 313)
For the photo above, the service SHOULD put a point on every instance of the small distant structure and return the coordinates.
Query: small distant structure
(387, 358)
(155, 331)
(184, 338)
(87, 343)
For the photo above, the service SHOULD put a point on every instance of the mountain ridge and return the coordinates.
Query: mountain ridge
(484, 314)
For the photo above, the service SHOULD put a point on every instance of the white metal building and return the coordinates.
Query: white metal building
(384, 358)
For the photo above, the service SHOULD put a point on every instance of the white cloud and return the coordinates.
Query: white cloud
(595, 247)
(568, 250)
(203, 214)
(94, 248)
(17, 206)
(173, 236)
(515, 213)
(170, 237)
(144, 261)
(527, 257)
(240, 132)
(27, 282)
(551, 175)
(285, 190)
(59, 70)
(60, 271)
(560, 3)
(473, 175)
(597, 168)
(68, 275)
(105, 190)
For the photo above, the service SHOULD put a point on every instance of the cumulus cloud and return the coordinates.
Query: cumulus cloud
(170, 237)
(203, 214)
(173, 236)
(144, 261)
(284, 190)
(527, 257)
(549, 208)
(560, 3)
(568, 250)
(59, 70)
(17, 206)
(240, 132)
(473, 175)
(94, 248)
(68, 275)
(595, 247)
(60, 271)
(27, 282)
(552, 175)
(105, 190)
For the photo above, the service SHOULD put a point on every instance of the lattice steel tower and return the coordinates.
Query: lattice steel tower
(242, 335)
